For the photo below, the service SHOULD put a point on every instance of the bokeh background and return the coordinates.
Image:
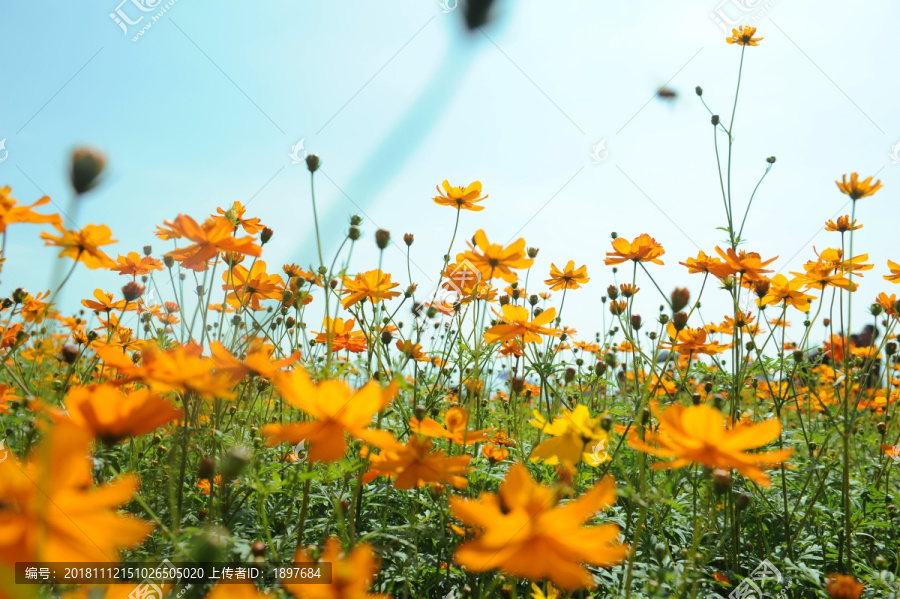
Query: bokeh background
(204, 109)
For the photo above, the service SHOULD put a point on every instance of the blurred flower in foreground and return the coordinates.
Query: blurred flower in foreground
(456, 419)
(111, 416)
(841, 586)
(351, 574)
(416, 465)
(11, 213)
(84, 245)
(336, 408)
(573, 437)
(524, 521)
(50, 511)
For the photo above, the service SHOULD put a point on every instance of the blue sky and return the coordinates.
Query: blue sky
(203, 111)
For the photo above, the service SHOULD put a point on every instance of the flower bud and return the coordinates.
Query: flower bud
(612, 291)
(386, 337)
(680, 297)
(353, 233)
(132, 290)
(169, 261)
(770, 160)
(69, 354)
(532, 252)
(87, 164)
(679, 320)
(258, 549)
(698, 90)
(265, 235)
(715, 120)
(761, 288)
(207, 468)
(148, 250)
(236, 459)
(382, 238)
(636, 321)
(722, 481)
(313, 163)
(569, 375)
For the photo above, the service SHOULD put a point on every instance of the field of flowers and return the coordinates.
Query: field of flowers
(458, 441)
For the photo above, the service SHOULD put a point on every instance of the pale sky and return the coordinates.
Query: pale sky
(395, 97)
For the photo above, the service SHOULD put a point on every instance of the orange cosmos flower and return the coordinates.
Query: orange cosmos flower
(461, 198)
(105, 302)
(134, 264)
(524, 521)
(337, 410)
(494, 453)
(35, 310)
(111, 416)
(248, 287)
(697, 435)
(342, 335)
(214, 236)
(888, 303)
(743, 36)
(495, 261)
(182, 369)
(702, 263)
(749, 264)
(412, 350)
(842, 225)
(415, 465)
(894, 277)
(692, 341)
(788, 292)
(456, 420)
(49, 510)
(374, 285)
(235, 215)
(84, 245)
(567, 278)
(351, 574)
(516, 325)
(257, 362)
(857, 189)
(643, 249)
(843, 586)
(11, 213)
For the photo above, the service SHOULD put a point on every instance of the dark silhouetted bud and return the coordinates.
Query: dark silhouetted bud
(679, 298)
(715, 119)
(258, 549)
(517, 384)
(408, 238)
(207, 468)
(600, 368)
(132, 290)
(87, 164)
(636, 321)
(19, 295)
(148, 250)
(569, 374)
(382, 238)
(313, 163)
(265, 235)
(353, 234)
(69, 354)
(169, 261)
(612, 291)
(770, 160)
(386, 337)
(532, 252)
(742, 501)
(504, 299)
(606, 423)
(722, 481)
(679, 320)
(882, 428)
(698, 90)
(761, 288)
(890, 348)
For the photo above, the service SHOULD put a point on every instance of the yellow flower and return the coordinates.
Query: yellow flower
(351, 574)
(495, 261)
(842, 225)
(857, 189)
(526, 533)
(574, 437)
(84, 245)
(567, 278)
(788, 292)
(461, 198)
(743, 36)
(516, 325)
(374, 285)
(643, 249)
(456, 419)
